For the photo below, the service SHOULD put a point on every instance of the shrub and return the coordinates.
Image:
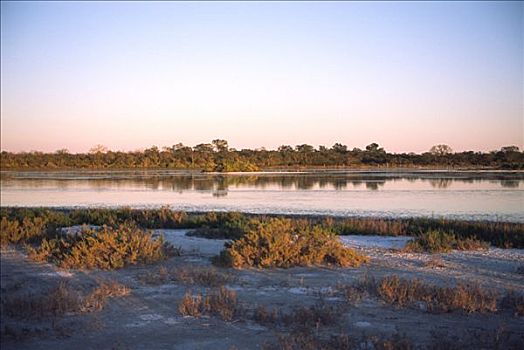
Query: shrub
(192, 305)
(97, 299)
(465, 297)
(319, 314)
(283, 243)
(220, 302)
(15, 231)
(436, 241)
(194, 275)
(105, 249)
(233, 225)
(60, 300)
(205, 276)
(514, 302)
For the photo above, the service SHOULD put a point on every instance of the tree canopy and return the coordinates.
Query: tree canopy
(218, 156)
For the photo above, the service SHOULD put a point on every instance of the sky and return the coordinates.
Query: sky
(130, 75)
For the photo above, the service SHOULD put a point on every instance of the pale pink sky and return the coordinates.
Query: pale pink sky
(130, 75)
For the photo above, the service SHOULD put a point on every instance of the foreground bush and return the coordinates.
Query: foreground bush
(284, 243)
(436, 241)
(15, 231)
(105, 249)
(464, 297)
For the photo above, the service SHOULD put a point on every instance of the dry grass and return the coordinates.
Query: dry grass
(220, 302)
(465, 297)
(285, 243)
(192, 275)
(105, 249)
(60, 300)
(354, 293)
(204, 276)
(514, 302)
(97, 299)
(312, 317)
(308, 340)
(435, 241)
(435, 262)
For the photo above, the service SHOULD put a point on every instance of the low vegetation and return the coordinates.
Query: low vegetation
(285, 243)
(309, 340)
(462, 297)
(436, 241)
(60, 300)
(14, 231)
(107, 248)
(514, 302)
(221, 302)
(218, 156)
(314, 316)
(233, 225)
(192, 275)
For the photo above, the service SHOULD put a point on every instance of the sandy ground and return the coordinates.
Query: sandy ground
(149, 318)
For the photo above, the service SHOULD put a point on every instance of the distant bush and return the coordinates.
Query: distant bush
(105, 249)
(21, 231)
(284, 243)
(436, 241)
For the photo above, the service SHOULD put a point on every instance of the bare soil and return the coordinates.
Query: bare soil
(149, 318)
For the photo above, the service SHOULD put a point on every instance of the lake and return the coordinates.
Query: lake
(476, 195)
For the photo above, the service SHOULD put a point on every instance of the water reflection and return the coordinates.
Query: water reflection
(220, 185)
(472, 195)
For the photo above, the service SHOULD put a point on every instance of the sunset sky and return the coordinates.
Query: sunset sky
(130, 75)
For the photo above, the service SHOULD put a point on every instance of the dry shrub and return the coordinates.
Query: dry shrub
(60, 300)
(97, 299)
(435, 262)
(436, 241)
(204, 276)
(354, 293)
(264, 316)
(193, 275)
(308, 340)
(105, 249)
(514, 302)
(285, 243)
(465, 297)
(474, 338)
(220, 302)
(14, 231)
(298, 341)
(314, 316)
(192, 305)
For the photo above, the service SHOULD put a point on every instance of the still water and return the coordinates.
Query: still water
(470, 195)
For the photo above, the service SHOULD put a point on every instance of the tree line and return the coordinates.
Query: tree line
(219, 157)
